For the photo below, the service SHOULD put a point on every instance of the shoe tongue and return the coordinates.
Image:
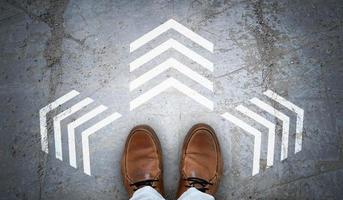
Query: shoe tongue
(193, 174)
(194, 167)
(147, 176)
(141, 176)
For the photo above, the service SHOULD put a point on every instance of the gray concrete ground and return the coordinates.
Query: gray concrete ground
(51, 47)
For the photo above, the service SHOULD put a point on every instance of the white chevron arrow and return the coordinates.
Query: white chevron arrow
(257, 139)
(171, 43)
(171, 63)
(85, 139)
(285, 124)
(171, 24)
(171, 82)
(271, 131)
(57, 124)
(294, 108)
(44, 111)
(71, 131)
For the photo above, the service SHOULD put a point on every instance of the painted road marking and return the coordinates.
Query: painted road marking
(171, 43)
(171, 82)
(300, 117)
(271, 126)
(257, 139)
(171, 24)
(285, 124)
(71, 131)
(171, 63)
(72, 126)
(271, 131)
(57, 124)
(44, 111)
(85, 139)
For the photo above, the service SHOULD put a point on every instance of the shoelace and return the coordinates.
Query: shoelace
(193, 181)
(140, 184)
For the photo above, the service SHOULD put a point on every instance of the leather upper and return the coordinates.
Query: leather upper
(142, 159)
(200, 159)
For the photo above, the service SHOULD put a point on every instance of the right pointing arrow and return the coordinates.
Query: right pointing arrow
(294, 108)
(271, 131)
(285, 124)
(257, 139)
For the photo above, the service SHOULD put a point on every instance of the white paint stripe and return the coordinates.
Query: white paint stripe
(150, 94)
(171, 63)
(294, 108)
(85, 139)
(171, 82)
(283, 118)
(171, 24)
(57, 124)
(192, 93)
(271, 131)
(44, 111)
(257, 139)
(71, 131)
(171, 43)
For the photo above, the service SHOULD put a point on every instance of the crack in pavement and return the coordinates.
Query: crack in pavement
(265, 39)
(53, 53)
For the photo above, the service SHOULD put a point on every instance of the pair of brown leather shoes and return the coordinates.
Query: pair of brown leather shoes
(201, 161)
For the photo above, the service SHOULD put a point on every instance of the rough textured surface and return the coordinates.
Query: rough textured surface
(51, 47)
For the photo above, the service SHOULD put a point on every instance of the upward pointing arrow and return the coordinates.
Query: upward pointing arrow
(171, 24)
(171, 63)
(171, 82)
(171, 43)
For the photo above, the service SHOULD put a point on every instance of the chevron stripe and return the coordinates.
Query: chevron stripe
(171, 82)
(57, 124)
(294, 108)
(171, 24)
(85, 139)
(171, 43)
(44, 111)
(257, 139)
(285, 121)
(171, 63)
(271, 131)
(71, 131)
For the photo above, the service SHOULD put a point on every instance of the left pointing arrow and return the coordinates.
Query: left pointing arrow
(44, 111)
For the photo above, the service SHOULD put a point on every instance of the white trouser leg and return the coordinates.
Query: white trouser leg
(193, 193)
(146, 193)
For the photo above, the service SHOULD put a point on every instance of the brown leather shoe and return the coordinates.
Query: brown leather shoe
(201, 161)
(141, 164)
